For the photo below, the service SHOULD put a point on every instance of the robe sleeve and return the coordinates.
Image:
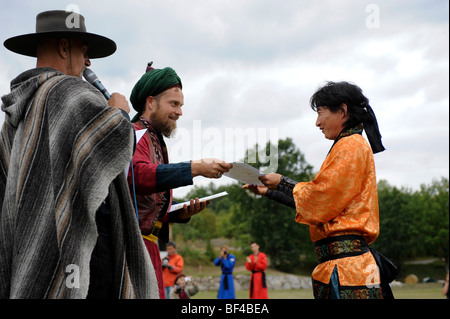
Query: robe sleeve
(338, 182)
(281, 198)
(249, 265)
(261, 263)
(153, 178)
(228, 264)
(177, 266)
(218, 261)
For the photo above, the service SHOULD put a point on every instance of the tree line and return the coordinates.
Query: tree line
(412, 223)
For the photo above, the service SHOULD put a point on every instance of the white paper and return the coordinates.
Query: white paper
(244, 173)
(203, 199)
(139, 135)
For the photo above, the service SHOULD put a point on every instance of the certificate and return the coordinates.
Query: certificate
(203, 199)
(244, 173)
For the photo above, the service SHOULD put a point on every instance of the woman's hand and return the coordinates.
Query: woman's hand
(256, 189)
(271, 180)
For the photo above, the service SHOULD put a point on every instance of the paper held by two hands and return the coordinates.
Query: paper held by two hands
(241, 172)
(244, 173)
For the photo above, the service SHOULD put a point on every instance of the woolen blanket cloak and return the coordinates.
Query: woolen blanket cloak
(62, 152)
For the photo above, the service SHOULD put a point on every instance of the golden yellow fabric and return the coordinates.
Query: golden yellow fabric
(152, 237)
(341, 200)
(353, 271)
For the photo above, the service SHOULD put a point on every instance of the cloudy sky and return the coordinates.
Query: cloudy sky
(249, 68)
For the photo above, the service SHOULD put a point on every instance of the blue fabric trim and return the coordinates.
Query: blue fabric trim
(334, 284)
(169, 176)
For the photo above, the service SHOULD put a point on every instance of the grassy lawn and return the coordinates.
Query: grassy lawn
(418, 291)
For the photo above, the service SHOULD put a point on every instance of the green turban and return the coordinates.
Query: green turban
(152, 83)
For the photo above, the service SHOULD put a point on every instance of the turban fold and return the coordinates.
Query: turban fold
(152, 83)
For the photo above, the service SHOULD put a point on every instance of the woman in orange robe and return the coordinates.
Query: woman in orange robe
(340, 204)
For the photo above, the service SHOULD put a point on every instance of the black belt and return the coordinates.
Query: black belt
(340, 247)
(225, 280)
(354, 245)
(263, 279)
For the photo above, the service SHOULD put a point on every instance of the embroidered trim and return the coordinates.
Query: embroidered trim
(286, 185)
(354, 130)
(361, 293)
(340, 247)
(347, 132)
(322, 291)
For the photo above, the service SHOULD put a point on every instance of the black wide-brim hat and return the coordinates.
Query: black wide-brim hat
(58, 24)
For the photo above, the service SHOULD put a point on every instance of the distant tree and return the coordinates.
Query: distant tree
(395, 236)
(413, 224)
(272, 224)
(431, 211)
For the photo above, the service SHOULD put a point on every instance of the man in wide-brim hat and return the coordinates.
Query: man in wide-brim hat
(67, 224)
(60, 24)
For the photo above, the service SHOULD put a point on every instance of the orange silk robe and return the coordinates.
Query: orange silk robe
(341, 200)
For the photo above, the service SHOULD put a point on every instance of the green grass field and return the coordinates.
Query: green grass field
(418, 291)
(432, 290)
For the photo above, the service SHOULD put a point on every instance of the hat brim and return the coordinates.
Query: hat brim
(98, 46)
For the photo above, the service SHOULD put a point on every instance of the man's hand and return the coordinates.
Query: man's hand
(119, 101)
(194, 208)
(210, 168)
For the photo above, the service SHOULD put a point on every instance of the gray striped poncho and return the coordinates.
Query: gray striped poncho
(62, 152)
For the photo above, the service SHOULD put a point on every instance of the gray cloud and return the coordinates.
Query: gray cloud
(256, 63)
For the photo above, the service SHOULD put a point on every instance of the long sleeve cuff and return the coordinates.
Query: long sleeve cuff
(169, 176)
(281, 198)
(286, 185)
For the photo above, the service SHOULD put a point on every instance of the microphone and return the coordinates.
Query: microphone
(90, 76)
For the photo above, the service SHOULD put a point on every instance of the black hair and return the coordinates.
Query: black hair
(333, 94)
(171, 243)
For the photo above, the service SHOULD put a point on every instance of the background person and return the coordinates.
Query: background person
(184, 288)
(445, 291)
(172, 266)
(257, 264)
(226, 261)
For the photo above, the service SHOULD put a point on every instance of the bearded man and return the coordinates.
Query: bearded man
(158, 99)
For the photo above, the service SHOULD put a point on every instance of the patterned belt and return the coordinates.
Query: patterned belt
(340, 247)
(153, 237)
